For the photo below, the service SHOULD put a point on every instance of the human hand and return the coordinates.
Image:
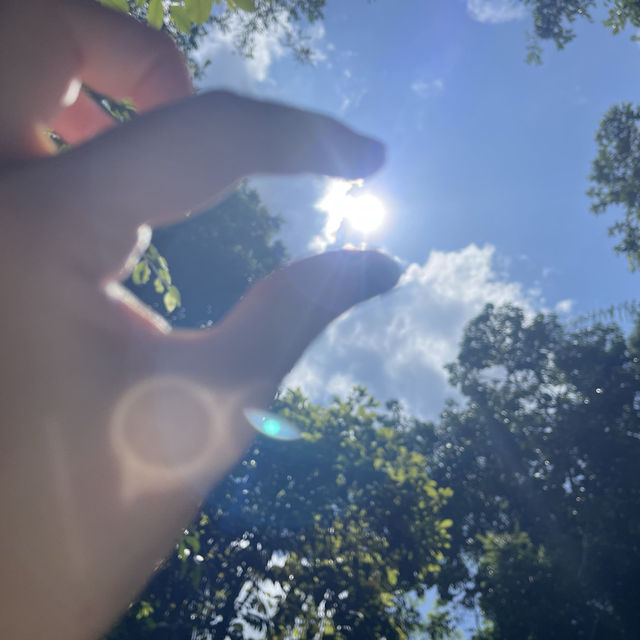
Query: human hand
(111, 429)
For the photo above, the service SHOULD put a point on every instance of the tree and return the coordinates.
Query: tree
(214, 256)
(616, 176)
(187, 21)
(327, 536)
(553, 20)
(616, 168)
(542, 461)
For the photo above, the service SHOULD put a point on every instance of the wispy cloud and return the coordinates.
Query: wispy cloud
(333, 204)
(496, 11)
(227, 69)
(398, 345)
(564, 306)
(427, 89)
(230, 70)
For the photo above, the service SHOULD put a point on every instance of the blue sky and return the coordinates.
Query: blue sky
(485, 182)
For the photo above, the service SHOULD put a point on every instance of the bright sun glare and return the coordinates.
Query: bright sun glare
(345, 202)
(366, 213)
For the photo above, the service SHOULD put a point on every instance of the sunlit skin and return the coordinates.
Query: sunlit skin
(113, 429)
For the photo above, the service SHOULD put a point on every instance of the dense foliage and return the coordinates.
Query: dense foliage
(616, 176)
(524, 499)
(214, 257)
(542, 459)
(332, 535)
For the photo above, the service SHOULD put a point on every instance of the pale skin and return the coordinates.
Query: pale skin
(111, 429)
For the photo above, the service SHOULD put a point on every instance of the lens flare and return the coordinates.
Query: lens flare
(271, 425)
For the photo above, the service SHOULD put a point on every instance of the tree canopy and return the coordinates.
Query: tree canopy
(214, 258)
(553, 20)
(333, 535)
(523, 499)
(542, 462)
(187, 21)
(615, 172)
(616, 176)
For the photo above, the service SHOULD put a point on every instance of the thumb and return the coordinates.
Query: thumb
(267, 332)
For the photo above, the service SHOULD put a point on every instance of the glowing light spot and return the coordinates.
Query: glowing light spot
(347, 202)
(72, 93)
(366, 213)
(271, 425)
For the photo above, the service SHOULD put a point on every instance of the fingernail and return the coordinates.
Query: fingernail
(370, 158)
(381, 273)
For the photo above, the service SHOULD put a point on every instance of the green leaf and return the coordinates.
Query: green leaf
(246, 5)
(198, 10)
(158, 285)
(171, 299)
(152, 252)
(165, 276)
(181, 19)
(446, 523)
(194, 543)
(392, 576)
(155, 14)
(120, 5)
(141, 273)
(145, 610)
(386, 599)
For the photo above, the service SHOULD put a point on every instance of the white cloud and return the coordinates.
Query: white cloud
(564, 306)
(496, 11)
(230, 70)
(293, 198)
(337, 191)
(427, 89)
(397, 345)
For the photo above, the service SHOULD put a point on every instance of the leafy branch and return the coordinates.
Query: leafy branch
(152, 263)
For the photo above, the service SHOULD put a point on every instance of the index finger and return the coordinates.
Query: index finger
(179, 158)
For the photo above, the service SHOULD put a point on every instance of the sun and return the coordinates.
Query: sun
(365, 213)
(347, 202)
